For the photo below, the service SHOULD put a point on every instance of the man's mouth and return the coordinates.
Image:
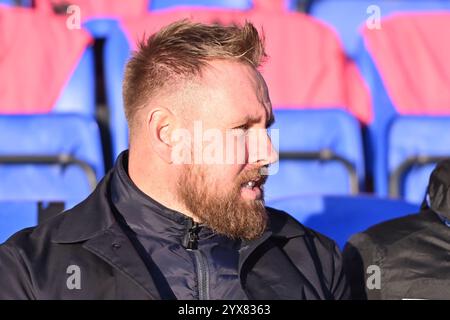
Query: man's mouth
(252, 189)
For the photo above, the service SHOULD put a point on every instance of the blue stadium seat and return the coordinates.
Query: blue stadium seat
(339, 217)
(78, 96)
(415, 145)
(48, 157)
(21, 3)
(320, 153)
(347, 16)
(17, 215)
(100, 27)
(223, 4)
(116, 53)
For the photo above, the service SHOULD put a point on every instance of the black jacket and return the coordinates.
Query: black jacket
(412, 252)
(84, 253)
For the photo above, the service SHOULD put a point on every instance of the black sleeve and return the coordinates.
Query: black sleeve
(15, 280)
(331, 270)
(359, 253)
(339, 285)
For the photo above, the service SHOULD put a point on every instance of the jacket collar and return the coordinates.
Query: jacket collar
(93, 224)
(145, 216)
(87, 219)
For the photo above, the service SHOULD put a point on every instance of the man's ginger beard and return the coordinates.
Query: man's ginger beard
(225, 213)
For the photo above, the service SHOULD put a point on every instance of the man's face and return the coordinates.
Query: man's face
(223, 186)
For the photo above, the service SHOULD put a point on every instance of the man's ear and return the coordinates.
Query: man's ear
(160, 124)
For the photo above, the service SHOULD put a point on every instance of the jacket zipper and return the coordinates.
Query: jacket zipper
(191, 244)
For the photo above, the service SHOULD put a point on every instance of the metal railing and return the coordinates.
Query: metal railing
(61, 159)
(395, 179)
(326, 155)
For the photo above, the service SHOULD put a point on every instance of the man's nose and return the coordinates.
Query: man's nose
(262, 150)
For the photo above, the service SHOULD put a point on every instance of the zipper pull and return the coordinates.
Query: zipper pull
(190, 240)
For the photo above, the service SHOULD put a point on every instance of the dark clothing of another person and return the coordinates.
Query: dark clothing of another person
(412, 252)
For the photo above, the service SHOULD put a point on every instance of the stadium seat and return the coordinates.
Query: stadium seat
(320, 153)
(223, 4)
(116, 53)
(7, 2)
(339, 217)
(48, 157)
(306, 69)
(53, 60)
(17, 215)
(96, 16)
(406, 97)
(78, 95)
(47, 109)
(291, 5)
(415, 145)
(21, 3)
(348, 16)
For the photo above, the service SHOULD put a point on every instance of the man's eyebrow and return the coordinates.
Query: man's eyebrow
(250, 119)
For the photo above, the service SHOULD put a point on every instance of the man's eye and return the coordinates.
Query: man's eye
(244, 127)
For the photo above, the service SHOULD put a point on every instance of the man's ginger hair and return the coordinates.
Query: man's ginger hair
(179, 52)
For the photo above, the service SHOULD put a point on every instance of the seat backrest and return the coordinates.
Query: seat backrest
(416, 143)
(45, 66)
(307, 67)
(324, 132)
(17, 215)
(339, 217)
(346, 17)
(116, 53)
(44, 136)
(221, 4)
(407, 73)
(7, 2)
(96, 16)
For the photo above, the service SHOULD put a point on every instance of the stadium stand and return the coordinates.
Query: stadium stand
(7, 2)
(50, 143)
(221, 4)
(316, 146)
(339, 217)
(49, 157)
(347, 17)
(17, 215)
(97, 16)
(43, 55)
(277, 5)
(406, 67)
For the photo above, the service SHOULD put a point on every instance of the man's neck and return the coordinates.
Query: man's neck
(156, 185)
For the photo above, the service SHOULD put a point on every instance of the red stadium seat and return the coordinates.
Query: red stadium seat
(44, 66)
(406, 66)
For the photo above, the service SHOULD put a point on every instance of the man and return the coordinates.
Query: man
(409, 255)
(180, 217)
